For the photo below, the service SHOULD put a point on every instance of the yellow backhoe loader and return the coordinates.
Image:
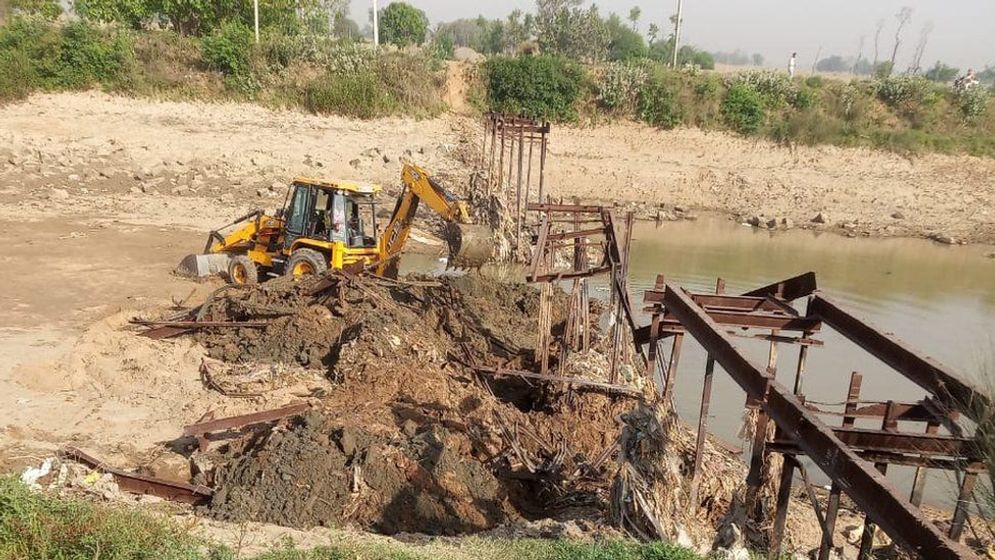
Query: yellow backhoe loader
(333, 224)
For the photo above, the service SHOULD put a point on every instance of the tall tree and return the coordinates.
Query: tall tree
(877, 39)
(903, 16)
(402, 24)
(634, 14)
(565, 27)
(654, 31)
(916, 66)
(860, 55)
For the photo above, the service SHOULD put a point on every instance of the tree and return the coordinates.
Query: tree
(654, 31)
(402, 24)
(903, 16)
(860, 54)
(345, 28)
(916, 66)
(564, 27)
(941, 73)
(834, 63)
(758, 59)
(624, 43)
(634, 14)
(877, 40)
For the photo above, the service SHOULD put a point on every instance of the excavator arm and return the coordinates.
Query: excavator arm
(469, 245)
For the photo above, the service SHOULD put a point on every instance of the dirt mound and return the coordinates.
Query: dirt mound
(411, 437)
(339, 475)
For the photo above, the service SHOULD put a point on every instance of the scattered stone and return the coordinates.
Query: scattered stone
(180, 189)
(386, 158)
(898, 215)
(788, 223)
(754, 221)
(74, 177)
(942, 238)
(58, 194)
(819, 218)
(356, 163)
(136, 190)
(680, 209)
(771, 223)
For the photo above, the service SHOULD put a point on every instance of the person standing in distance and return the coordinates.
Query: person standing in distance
(791, 64)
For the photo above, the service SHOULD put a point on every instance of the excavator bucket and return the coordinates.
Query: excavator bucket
(470, 246)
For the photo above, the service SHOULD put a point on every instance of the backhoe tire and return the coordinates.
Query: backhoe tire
(305, 261)
(241, 270)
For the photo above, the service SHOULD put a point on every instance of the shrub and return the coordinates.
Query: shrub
(229, 51)
(619, 85)
(658, 104)
(972, 102)
(743, 109)
(909, 96)
(776, 89)
(538, 86)
(15, 76)
(40, 54)
(814, 82)
(381, 85)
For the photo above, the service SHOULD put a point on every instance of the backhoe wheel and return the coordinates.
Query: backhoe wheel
(306, 261)
(241, 270)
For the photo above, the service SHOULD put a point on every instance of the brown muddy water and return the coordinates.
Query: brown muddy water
(939, 299)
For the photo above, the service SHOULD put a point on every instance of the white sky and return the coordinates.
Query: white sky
(962, 29)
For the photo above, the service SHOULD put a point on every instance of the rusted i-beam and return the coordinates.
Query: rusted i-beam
(193, 494)
(867, 487)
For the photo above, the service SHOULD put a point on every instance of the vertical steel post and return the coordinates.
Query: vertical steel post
(963, 501)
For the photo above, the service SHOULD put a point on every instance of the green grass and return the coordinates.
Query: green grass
(38, 526)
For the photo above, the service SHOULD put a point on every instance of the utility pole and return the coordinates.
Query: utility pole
(255, 10)
(677, 30)
(376, 26)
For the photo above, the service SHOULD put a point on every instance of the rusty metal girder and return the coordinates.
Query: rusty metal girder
(193, 494)
(789, 289)
(864, 484)
(201, 429)
(576, 208)
(952, 391)
(864, 439)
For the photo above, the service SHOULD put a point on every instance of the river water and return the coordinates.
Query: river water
(939, 299)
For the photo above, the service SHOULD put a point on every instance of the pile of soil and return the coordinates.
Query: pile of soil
(410, 438)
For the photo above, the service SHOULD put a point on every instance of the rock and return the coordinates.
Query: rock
(819, 218)
(898, 215)
(942, 238)
(276, 186)
(410, 428)
(788, 223)
(680, 209)
(771, 223)
(58, 194)
(136, 190)
(754, 221)
(180, 190)
(386, 158)
(74, 177)
(355, 163)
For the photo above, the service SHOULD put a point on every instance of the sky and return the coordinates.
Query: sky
(962, 29)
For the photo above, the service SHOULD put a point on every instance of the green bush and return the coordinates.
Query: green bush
(229, 51)
(402, 24)
(972, 102)
(776, 89)
(619, 84)
(743, 109)
(814, 82)
(658, 104)
(386, 84)
(538, 86)
(37, 54)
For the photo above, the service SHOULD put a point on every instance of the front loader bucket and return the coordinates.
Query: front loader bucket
(470, 246)
(203, 265)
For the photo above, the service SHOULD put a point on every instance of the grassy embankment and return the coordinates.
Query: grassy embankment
(37, 526)
(903, 114)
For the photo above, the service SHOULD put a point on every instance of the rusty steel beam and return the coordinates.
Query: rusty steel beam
(788, 289)
(575, 234)
(752, 320)
(193, 494)
(952, 391)
(867, 487)
(581, 208)
(234, 422)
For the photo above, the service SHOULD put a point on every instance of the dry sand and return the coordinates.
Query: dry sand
(100, 196)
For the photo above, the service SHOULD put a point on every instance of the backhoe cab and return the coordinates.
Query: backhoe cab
(333, 224)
